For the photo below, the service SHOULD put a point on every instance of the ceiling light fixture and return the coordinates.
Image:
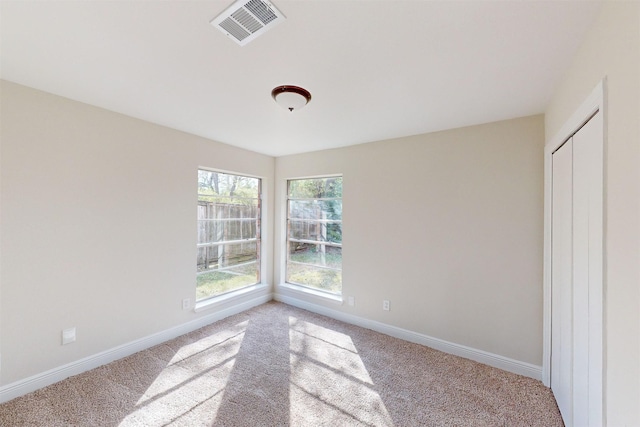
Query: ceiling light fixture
(291, 97)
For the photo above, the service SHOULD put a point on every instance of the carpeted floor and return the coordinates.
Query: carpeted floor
(276, 365)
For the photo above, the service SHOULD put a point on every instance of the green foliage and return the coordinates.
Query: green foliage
(217, 187)
(315, 188)
(218, 282)
(318, 188)
(327, 280)
(311, 255)
(320, 278)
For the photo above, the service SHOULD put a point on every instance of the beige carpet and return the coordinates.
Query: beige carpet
(276, 365)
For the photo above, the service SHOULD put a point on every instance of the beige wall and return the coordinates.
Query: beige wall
(98, 229)
(98, 226)
(448, 227)
(612, 50)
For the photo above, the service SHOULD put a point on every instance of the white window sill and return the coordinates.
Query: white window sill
(214, 302)
(303, 290)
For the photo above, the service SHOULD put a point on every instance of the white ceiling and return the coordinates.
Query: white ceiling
(376, 69)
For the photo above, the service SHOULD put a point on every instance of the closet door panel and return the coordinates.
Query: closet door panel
(588, 297)
(580, 281)
(561, 281)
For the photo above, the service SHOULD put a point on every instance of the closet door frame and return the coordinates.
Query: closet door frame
(593, 104)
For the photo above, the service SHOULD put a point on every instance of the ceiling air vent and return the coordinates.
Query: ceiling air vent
(245, 20)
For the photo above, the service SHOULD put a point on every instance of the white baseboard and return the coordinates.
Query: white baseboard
(54, 375)
(35, 382)
(497, 361)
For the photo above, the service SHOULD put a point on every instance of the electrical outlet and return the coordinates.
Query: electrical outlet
(68, 335)
(385, 305)
(186, 303)
(351, 301)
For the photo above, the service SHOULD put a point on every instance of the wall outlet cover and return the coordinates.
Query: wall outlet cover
(68, 335)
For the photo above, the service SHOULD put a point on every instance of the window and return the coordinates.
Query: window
(228, 233)
(314, 233)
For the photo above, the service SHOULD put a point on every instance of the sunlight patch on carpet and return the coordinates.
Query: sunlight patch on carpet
(192, 383)
(329, 380)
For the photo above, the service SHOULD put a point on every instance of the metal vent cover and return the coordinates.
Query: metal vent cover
(245, 20)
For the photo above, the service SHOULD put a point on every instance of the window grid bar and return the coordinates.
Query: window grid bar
(326, 267)
(321, 221)
(316, 242)
(227, 219)
(225, 242)
(311, 199)
(225, 197)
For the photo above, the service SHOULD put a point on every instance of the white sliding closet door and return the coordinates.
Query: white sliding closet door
(576, 276)
(587, 273)
(561, 279)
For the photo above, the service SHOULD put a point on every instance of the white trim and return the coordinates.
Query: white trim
(495, 360)
(60, 373)
(35, 382)
(231, 297)
(230, 172)
(294, 290)
(328, 175)
(593, 103)
(596, 101)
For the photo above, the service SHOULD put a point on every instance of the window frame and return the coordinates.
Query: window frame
(287, 239)
(258, 240)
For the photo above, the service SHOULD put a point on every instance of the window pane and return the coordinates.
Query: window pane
(226, 255)
(220, 208)
(314, 213)
(219, 230)
(217, 282)
(217, 185)
(323, 232)
(316, 188)
(320, 255)
(315, 209)
(228, 211)
(327, 280)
